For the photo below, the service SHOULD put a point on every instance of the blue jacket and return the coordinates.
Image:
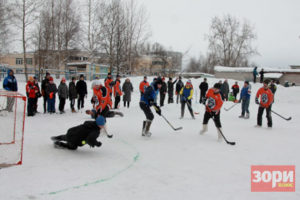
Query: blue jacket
(255, 72)
(10, 82)
(149, 94)
(186, 93)
(245, 93)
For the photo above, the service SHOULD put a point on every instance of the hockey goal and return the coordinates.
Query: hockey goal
(12, 121)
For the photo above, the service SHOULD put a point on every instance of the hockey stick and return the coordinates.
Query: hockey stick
(227, 109)
(175, 129)
(109, 136)
(231, 143)
(287, 119)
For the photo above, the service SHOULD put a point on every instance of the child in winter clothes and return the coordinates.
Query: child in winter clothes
(31, 91)
(245, 100)
(51, 91)
(63, 94)
(266, 99)
(186, 94)
(72, 93)
(117, 91)
(235, 89)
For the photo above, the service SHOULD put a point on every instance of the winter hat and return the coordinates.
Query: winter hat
(217, 86)
(100, 121)
(63, 79)
(47, 74)
(81, 76)
(109, 73)
(247, 82)
(159, 81)
(189, 82)
(51, 78)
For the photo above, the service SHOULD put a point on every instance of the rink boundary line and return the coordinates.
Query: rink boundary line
(134, 160)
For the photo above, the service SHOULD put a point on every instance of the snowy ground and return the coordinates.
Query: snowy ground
(169, 165)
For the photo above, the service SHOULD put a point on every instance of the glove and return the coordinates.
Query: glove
(256, 101)
(98, 144)
(151, 102)
(158, 110)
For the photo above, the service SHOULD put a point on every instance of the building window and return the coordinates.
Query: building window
(19, 61)
(29, 61)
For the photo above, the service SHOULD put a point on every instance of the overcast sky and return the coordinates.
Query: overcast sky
(182, 24)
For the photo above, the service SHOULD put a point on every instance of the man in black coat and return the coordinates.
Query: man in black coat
(45, 85)
(81, 89)
(171, 90)
(203, 89)
(77, 136)
(163, 92)
(179, 86)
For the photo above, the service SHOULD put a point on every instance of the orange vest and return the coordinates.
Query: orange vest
(117, 88)
(107, 82)
(143, 85)
(101, 98)
(266, 97)
(214, 101)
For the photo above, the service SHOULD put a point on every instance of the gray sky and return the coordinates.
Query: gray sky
(182, 24)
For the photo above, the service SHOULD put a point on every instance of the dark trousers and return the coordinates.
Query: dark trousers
(66, 144)
(189, 105)
(126, 102)
(261, 79)
(30, 106)
(45, 103)
(117, 101)
(162, 99)
(268, 115)
(245, 106)
(202, 98)
(35, 104)
(147, 111)
(72, 103)
(170, 98)
(80, 102)
(62, 102)
(51, 105)
(216, 118)
(254, 79)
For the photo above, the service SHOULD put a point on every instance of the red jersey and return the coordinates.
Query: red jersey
(107, 84)
(266, 97)
(214, 101)
(31, 89)
(143, 86)
(117, 88)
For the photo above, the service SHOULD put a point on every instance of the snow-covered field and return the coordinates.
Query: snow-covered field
(169, 165)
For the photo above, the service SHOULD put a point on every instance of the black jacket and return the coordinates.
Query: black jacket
(88, 131)
(179, 86)
(171, 87)
(163, 88)
(51, 88)
(203, 87)
(81, 88)
(72, 90)
(45, 84)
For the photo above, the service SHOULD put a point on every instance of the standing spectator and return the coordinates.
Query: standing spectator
(51, 91)
(81, 89)
(38, 94)
(163, 92)
(273, 87)
(127, 88)
(255, 74)
(31, 91)
(171, 90)
(225, 90)
(245, 100)
(72, 94)
(10, 84)
(143, 85)
(179, 86)
(203, 89)
(45, 84)
(117, 91)
(262, 72)
(235, 89)
(63, 94)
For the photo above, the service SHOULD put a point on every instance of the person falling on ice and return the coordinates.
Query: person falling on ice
(213, 107)
(86, 133)
(148, 100)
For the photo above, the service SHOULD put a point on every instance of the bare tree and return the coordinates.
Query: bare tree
(24, 15)
(4, 30)
(230, 41)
